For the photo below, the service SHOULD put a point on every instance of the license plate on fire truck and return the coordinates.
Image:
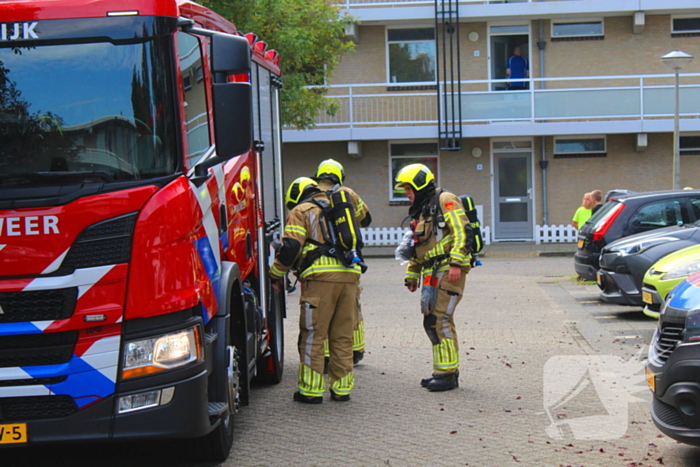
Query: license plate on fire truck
(14, 433)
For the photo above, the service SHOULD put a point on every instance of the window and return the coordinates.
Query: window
(196, 117)
(579, 30)
(685, 25)
(406, 154)
(660, 214)
(576, 147)
(689, 145)
(411, 55)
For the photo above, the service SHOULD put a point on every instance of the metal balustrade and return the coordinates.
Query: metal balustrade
(580, 98)
(385, 3)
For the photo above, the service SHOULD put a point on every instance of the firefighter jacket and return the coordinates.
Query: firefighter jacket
(361, 209)
(439, 248)
(304, 224)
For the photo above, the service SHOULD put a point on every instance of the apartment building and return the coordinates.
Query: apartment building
(428, 83)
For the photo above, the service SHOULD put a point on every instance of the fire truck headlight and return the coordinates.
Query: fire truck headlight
(164, 352)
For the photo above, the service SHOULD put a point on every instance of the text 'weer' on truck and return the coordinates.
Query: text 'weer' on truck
(140, 199)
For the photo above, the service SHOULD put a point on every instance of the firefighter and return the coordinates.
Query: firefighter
(330, 175)
(442, 257)
(328, 299)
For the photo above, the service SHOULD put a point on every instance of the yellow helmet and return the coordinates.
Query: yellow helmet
(416, 175)
(299, 190)
(331, 169)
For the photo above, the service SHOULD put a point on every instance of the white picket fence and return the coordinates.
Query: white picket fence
(555, 234)
(391, 236)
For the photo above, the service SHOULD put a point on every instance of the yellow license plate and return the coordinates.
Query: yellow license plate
(646, 297)
(581, 242)
(599, 278)
(15, 433)
(651, 380)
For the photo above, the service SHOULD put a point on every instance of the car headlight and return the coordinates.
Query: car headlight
(683, 270)
(164, 352)
(642, 245)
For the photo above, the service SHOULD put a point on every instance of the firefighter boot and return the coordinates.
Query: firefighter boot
(425, 381)
(357, 356)
(299, 397)
(443, 382)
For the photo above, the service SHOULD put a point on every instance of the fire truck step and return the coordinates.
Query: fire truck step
(217, 409)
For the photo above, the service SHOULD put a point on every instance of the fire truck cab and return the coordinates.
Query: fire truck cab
(140, 202)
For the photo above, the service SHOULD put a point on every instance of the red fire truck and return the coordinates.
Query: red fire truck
(140, 200)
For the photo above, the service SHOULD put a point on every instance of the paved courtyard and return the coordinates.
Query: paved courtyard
(542, 361)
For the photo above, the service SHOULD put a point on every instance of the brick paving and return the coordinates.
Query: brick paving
(523, 309)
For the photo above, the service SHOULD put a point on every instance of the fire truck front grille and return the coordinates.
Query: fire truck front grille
(36, 408)
(39, 305)
(32, 382)
(107, 242)
(37, 349)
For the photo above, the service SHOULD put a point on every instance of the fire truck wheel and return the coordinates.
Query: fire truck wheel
(218, 443)
(270, 368)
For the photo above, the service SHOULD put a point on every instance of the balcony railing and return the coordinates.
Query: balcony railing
(386, 3)
(589, 98)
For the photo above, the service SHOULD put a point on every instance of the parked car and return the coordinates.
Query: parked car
(624, 262)
(673, 366)
(630, 214)
(665, 274)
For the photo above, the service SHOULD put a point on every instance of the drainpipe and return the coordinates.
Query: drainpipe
(543, 161)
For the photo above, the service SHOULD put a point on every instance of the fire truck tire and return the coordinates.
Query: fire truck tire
(217, 444)
(270, 368)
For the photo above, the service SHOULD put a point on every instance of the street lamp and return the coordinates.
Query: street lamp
(675, 61)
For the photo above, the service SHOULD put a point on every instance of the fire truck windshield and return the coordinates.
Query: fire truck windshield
(99, 109)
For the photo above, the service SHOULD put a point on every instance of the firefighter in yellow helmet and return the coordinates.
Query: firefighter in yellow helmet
(328, 296)
(330, 175)
(442, 259)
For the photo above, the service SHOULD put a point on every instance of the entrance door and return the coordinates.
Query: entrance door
(513, 194)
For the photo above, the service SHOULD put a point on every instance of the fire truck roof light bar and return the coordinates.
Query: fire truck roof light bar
(123, 13)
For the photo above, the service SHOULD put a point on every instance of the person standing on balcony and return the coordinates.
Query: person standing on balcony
(330, 176)
(517, 68)
(583, 213)
(441, 255)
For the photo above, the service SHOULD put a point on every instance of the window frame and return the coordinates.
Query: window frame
(684, 31)
(393, 198)
(555, 37)
(688, 150)
(579, 154)
(388, 53)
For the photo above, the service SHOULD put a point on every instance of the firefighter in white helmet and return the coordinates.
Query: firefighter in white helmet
(442, 258)
(330, 176)
(328, 296)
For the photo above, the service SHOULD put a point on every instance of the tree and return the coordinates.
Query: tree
(309, 36)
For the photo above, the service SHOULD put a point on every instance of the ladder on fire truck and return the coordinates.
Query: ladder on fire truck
(449, 99)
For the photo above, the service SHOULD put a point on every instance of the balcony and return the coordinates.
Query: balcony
(552, 106)
(379, 11)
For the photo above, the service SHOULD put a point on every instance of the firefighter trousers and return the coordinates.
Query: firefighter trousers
(440, 325)
(358, 334)
(328, 311)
